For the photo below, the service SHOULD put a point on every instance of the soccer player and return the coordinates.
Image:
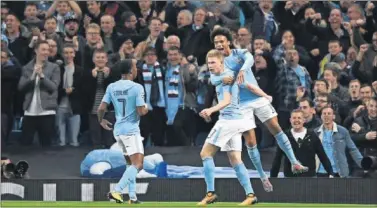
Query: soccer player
(226, 134)
(128, 100)
(252, 101)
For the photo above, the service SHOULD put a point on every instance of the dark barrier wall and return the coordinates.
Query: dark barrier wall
(299, 190)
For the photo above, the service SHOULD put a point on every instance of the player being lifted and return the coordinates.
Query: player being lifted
(226, 134)
(252, 101)
(128, 100)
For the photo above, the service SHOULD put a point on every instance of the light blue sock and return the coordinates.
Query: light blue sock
(255, 159)
(128, 176)
(243, 178)
(285, 145)
(132, 188)
(209, 173)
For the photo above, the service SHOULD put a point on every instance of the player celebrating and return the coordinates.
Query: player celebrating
(252, 101)
(128, 100)
(226, 134)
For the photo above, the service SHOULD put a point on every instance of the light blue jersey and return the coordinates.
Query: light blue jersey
(232, 111)
(126, 96)
(240, 59)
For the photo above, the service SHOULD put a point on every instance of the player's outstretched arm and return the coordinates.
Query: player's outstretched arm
(258, 91)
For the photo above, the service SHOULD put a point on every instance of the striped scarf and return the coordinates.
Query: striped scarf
(147, 74)
(173, 90)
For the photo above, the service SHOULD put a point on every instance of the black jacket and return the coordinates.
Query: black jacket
(305, 153)
(75, 98)
(366, 125)
(314, 123)
(10, 74)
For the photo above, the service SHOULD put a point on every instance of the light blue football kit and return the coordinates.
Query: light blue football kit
(241, 59)
(126, 96)
(226, 134)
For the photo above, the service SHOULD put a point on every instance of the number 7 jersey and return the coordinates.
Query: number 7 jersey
(126, 96)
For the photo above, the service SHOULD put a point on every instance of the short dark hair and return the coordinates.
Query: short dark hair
(51, 17)
(326, 95)
(125, 66)
(306, 99)
(13, 14)
(68, 45)
(222, 31)
(366, 85)
(336, 41)
(127, 15)
(99, 50)
(155, 18)
(174, 48)
(149, 49)
(39, 43)
(326, 107)
(323, 80)
(33, 4)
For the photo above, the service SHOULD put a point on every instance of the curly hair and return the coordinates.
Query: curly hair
(222, 31)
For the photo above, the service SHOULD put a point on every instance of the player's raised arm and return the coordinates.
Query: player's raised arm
(248, 63)
(106, 100)
(142, 107)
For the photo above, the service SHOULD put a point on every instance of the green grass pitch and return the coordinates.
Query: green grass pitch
(163, 204)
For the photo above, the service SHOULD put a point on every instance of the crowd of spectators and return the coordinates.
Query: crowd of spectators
(57, 57)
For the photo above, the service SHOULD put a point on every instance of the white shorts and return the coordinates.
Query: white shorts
(130, 144)
(248, 113)
(226, 134)
(265, 112)
(260, 108)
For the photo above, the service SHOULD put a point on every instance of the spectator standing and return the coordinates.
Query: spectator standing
(311, 119)
(64, 10)
(307, 147)
(181, 83)
(10, 75)
(96, 82)
(39, 82)
(336, 141)
(69, 98)
(291, 77)
(152, 77)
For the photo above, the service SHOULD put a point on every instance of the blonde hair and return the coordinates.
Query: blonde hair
(94, 26)
(215, 54)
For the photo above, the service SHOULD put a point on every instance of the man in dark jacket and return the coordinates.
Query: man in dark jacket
(10, 74)
(306, 146)
(364, 129)
(69, 98)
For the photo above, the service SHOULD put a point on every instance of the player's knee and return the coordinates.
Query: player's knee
(234, 158)
(250, 140)
(273, 126)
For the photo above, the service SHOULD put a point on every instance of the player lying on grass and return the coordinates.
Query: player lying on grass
(128, 100)
(251, 101)
(226, 134)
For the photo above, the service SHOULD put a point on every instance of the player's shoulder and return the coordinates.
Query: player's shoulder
(240, 51)
(136, 87)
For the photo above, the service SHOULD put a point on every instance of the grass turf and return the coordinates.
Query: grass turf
(162, 204)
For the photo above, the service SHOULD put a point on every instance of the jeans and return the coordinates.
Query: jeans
(69, 124)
